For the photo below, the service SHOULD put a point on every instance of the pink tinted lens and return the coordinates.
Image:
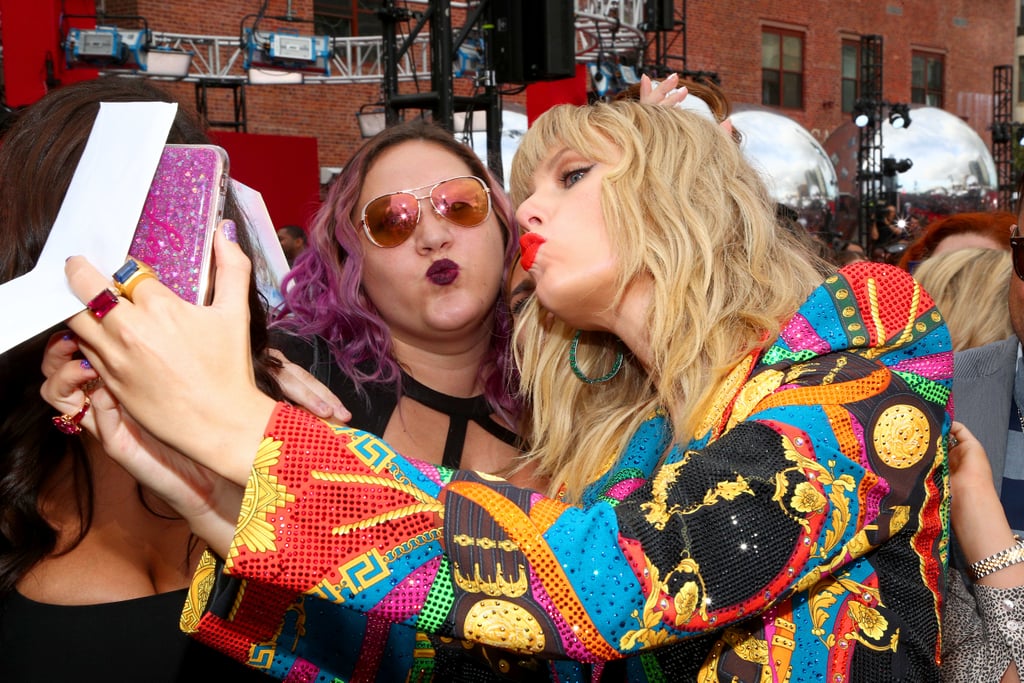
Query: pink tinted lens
(392, 218)
(463, 201)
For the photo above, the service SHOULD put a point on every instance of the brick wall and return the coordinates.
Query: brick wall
(722, 36)
(973, 37)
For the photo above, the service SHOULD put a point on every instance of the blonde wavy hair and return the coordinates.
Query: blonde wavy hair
(971, 288)
(684, 209)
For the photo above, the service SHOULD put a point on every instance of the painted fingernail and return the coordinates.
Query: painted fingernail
(230, 230)
(86, 365)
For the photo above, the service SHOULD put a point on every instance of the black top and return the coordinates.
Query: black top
(372, 409)
(132, 640)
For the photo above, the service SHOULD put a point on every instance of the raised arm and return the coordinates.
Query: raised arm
(823, 460)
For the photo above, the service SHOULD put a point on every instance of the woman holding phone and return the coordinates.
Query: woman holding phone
(397, 307)
(91, 564)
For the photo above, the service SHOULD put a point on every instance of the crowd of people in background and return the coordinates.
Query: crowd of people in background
(906, 240)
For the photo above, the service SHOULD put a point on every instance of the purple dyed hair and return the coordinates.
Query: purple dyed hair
(323, 294)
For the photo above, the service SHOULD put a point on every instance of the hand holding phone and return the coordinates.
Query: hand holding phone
(175, 231)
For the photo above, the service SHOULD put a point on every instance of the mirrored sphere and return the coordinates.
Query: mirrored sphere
(952, 170)
(798, 172)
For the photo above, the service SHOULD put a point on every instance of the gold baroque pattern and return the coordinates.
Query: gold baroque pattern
(504, 624)
(263, 495)
(806, 498)
(198, 593)
(686, 603)
(501, 585)
(871, 624)
(901, 436)
(657, 510)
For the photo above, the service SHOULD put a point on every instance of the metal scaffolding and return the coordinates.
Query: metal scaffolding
(603, 27)
(1004, 132)
(611, 26)
(869, 150)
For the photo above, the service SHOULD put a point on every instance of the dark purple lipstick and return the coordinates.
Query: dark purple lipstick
(443, 272)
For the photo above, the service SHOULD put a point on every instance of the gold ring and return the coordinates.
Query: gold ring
(130, 275)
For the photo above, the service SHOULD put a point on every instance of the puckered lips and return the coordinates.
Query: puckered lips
(529, 244)
(443, 271)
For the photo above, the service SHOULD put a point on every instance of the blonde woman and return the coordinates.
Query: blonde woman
(764, 495)
(970, 287)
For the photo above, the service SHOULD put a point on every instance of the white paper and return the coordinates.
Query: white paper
(97, 218)
(271, 272)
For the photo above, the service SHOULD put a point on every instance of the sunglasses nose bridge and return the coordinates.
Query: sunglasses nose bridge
(437, 203)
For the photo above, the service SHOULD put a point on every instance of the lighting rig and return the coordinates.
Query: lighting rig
(283, 56)
(867, 112)
(112, 47)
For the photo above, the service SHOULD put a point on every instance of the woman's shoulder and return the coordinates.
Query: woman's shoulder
(871, 309)
(874, 304)
(880, 284)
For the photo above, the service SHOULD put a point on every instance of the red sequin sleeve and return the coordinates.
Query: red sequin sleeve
(326, 504)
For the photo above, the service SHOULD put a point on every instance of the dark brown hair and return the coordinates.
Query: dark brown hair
(38, 156)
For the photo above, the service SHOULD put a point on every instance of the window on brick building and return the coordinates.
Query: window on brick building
(1020, 19)
(343, 18)
(782, 68)
(926, 78)
(851, 74)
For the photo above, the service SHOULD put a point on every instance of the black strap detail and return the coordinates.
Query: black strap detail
(459, 412)
(381, 399)
(455, 441)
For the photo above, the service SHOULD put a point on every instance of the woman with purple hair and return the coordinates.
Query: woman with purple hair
(397, 306)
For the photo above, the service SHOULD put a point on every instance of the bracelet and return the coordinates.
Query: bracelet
(1001, 560)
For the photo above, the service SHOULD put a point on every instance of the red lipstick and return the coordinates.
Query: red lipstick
(530, 243)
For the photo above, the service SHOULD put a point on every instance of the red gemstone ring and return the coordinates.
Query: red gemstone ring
(103, 303)
(69, 423)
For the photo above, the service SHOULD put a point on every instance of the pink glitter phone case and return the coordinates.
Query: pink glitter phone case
(175, 231)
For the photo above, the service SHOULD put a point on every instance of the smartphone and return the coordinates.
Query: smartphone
(175, 231)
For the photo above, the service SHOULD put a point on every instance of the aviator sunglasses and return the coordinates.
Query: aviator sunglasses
(1017, 245)
(391, 218)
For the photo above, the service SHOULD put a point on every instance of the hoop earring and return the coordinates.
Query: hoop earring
(580, 374)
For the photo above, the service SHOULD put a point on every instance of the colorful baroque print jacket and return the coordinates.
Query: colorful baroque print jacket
(801, 537)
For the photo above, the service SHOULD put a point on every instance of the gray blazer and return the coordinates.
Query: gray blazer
(982, 388)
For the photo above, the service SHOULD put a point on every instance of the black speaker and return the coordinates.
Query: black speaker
(532, 40)
(659, 15)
